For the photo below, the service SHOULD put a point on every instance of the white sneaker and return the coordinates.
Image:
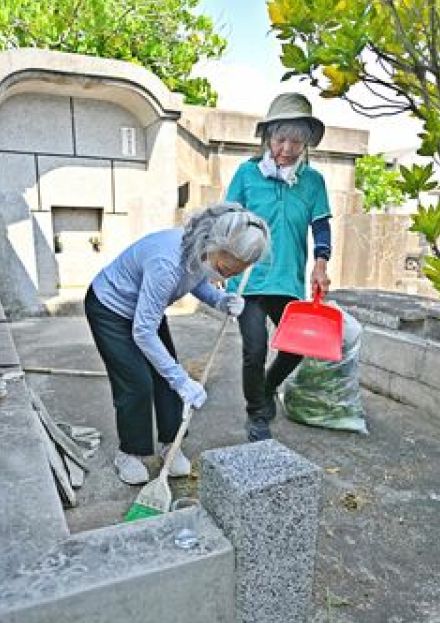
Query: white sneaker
(181, 466)
(130, 469)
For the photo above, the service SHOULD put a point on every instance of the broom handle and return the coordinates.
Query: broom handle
(187, 409)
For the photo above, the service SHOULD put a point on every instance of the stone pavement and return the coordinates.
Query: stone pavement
(379, 547)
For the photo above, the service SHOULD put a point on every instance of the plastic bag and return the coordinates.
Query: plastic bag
(325, 393)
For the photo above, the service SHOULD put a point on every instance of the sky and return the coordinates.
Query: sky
(248, 76)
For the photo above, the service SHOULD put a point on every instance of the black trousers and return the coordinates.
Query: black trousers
(134, 382)
(258, 383)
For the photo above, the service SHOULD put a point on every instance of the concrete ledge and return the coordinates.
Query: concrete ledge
(403, 355)
(400, 388)
(31, 516)
(403, 367)
(416, 315)
(130, 572)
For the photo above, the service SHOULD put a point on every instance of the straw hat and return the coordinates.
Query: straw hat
(290, 106)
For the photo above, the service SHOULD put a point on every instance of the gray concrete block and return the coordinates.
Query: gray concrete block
(130, 572)
(375, 378)
(429, 372)
(373, 316)
(98, 128)
(414, 393)
(36, 123)
(432, 328)
(393, 351)
(265, 498)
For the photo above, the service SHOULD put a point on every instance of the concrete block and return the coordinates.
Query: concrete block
(393, 351)
(265, 498)
(414, 393)
(130, 572)
(375, 317)
(98, 130)
(432, 329)
(375, 378)
(429, 372)
(36, 123)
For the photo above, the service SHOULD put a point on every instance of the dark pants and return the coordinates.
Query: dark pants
(134, 381)
(259, 384)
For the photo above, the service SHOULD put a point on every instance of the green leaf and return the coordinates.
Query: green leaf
(379, 184)
(427, 222)
(293, 56)
(432, 270)
(417, 179)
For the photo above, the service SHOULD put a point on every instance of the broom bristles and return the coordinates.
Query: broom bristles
(139, 511)
(152, 500)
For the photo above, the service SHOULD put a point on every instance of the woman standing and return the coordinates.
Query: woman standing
(125, 307)
(291, 197)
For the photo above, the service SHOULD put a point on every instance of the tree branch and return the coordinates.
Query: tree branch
(361, 109)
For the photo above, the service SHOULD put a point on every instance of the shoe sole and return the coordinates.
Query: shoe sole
(179, 475)
(128, 482)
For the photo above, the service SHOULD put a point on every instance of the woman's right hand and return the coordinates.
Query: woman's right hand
(193, 393)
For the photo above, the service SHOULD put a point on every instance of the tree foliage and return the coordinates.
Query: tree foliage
(392, 47)
(164, 36)
(379, 184)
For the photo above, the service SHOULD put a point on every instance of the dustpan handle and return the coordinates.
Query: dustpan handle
(317, 297)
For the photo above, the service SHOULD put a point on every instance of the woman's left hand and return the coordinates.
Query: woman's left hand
(232, 304)
(319, 279)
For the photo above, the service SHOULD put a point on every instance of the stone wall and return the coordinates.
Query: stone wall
(400, 353)
(84, 140)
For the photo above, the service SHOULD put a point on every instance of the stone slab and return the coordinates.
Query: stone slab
(398, 353)
(400, 388)
(128, 572)
(265, 498)
(417, 315)
(31, 516)
(406, 355)
(416, 394)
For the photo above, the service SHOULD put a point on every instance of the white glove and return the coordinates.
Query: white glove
(192, 393)
(231, 304)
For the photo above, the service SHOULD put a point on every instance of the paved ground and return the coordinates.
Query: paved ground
(379, 544)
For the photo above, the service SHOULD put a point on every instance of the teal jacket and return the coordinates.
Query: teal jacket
(289, 212)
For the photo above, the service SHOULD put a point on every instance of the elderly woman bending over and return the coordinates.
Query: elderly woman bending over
(125, 307)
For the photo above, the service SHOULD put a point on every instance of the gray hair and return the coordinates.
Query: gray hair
(224, 227)
(296, 129)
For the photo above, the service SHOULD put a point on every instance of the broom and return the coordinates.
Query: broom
(155, 497)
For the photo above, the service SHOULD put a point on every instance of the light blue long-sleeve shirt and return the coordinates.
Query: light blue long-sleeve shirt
(140, 284)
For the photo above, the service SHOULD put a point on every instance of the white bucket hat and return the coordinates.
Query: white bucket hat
(291, 106)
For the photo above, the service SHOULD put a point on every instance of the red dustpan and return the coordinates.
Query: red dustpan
(312, 329)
